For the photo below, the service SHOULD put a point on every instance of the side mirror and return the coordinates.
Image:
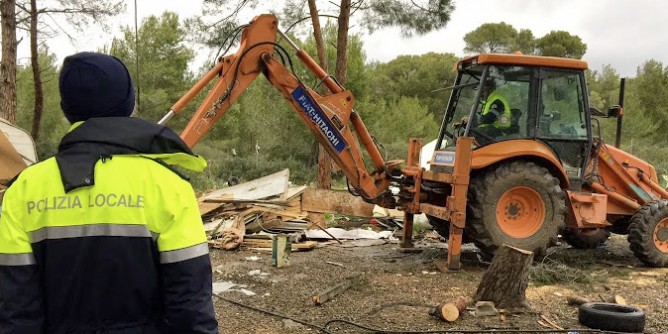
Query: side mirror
(615, 111)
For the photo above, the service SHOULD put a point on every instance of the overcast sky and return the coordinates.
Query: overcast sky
(622, 33)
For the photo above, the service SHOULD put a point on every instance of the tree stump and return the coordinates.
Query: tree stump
(506, 279)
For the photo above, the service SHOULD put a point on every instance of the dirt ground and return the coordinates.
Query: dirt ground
(396, 289)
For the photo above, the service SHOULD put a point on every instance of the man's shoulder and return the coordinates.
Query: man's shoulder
(142, 166)
(40, 169)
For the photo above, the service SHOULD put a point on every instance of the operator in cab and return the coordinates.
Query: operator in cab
(495, 118)
(106, 236)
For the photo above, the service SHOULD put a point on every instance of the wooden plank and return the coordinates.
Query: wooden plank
(335, 201)
(333, 291)
(294, 192)
(316, 220)
(267, 186)
(206, 207)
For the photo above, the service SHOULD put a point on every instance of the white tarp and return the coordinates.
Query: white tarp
(354, 234)
(20, 140)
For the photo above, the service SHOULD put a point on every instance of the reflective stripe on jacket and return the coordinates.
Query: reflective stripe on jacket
(125, 255)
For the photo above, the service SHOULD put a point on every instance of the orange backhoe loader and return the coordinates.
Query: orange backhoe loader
(540, 173)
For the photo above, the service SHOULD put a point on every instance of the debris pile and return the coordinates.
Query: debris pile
(251, 213)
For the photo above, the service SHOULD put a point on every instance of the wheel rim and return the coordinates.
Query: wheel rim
(520, 212)
(660, 236)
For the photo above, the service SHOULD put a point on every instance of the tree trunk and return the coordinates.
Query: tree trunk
(36, 72)
(324, 179)
(506, 279)
(8, 62)
(342, 42)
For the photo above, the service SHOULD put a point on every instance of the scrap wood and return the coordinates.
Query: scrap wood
(267, 244)
(335, 201)
(333, 291)
(232, 238)
(211, 227)
(267, 186)
(206, 207)
(551, 322)
(294, 192)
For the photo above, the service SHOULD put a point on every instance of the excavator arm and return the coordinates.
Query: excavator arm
(330, 118)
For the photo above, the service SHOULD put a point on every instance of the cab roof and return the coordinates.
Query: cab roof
(523, 60)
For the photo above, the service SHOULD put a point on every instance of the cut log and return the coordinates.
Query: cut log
(506, 279)
(450, 311)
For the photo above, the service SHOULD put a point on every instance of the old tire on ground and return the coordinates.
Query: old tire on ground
(517, 203)
(612, 317)
(589, 238)
(648, 233)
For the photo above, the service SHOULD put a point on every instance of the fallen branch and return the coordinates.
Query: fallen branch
(551, 322)
(335, 264)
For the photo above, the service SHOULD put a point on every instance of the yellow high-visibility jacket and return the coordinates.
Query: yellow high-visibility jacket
(106, 237)
(496, 112)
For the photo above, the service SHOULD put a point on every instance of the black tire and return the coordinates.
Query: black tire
(585, 238)
(486, 192)
(648, 233)
(612, 317)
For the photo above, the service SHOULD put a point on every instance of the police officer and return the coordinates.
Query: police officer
(496, 116)
(106, 236)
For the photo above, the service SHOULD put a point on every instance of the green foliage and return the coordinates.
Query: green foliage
(644, 119)
(603, 87)
(163, 68)
(413, 17)
(525, 42)
(222, 165)
(504, 38)
(493, 38)
(555, 272)
(561, 44)
(651, 87)
(356, 69)
(53, 122)
(422, 77)
(394, 122)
